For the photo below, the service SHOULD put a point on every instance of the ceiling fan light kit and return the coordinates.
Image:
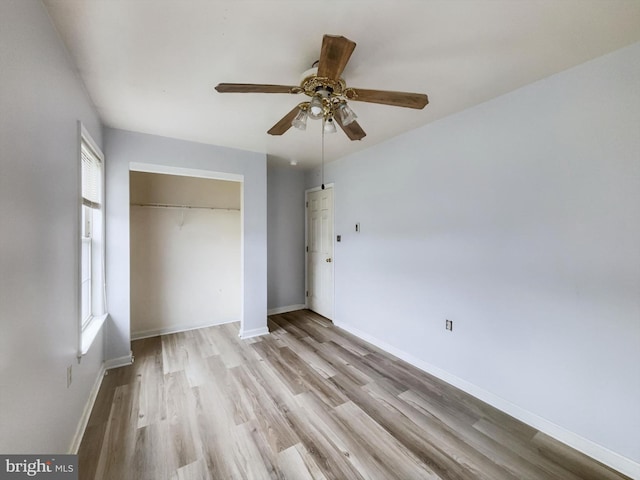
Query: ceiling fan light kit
(329, 93)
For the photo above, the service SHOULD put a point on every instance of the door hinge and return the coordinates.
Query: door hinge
(307, 294)
(307, 204)
(307, 248)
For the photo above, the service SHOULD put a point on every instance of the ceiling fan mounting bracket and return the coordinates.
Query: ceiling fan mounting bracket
(350, 93)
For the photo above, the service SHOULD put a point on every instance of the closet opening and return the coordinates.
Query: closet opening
(186, 251)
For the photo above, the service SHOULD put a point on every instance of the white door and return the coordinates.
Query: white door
(320, 252)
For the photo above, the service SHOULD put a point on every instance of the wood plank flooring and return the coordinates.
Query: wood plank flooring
(308, 401)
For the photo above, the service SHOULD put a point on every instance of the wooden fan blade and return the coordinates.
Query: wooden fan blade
(398, 99)
(285, 122)
(335, 54)
(354, 131)
(255, 88)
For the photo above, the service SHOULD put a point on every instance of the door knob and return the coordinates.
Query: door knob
(328, 260)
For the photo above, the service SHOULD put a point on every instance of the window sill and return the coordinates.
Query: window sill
(90, 333)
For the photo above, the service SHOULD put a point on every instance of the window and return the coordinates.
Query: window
(92, 284)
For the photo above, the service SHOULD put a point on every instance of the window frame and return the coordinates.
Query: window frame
(89, 326)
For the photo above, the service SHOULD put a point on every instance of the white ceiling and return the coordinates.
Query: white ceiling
(151, 65)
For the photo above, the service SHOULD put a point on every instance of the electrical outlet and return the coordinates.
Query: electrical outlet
(69, 378)
(449, 325)
(358, 227)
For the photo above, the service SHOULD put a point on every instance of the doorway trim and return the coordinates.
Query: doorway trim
(213, 175)
(306, 245)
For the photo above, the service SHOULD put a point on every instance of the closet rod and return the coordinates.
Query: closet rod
(195, 207)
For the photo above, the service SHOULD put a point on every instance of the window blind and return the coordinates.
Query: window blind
(90, 177)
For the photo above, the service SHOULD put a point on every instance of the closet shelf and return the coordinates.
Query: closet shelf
(193, 207)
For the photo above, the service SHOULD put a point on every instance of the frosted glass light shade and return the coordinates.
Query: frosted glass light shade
(316, 109)
(347, 115)
(329, 126)
(300, 121)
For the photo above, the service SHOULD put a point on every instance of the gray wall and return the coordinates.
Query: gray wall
(285, 237)
(519, 220)
(123, 148)
(41, 101)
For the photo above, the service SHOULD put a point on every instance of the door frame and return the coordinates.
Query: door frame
(196, 173)
(306, 245)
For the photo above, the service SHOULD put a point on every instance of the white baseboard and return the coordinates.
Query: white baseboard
(119, 362)
(86, 413)
(592, 449)
(288, 308)
(254, 332)
(177, 329)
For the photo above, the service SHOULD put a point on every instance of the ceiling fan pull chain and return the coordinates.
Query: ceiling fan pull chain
(322, 164)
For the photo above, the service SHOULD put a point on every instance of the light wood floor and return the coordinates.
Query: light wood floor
(306, 401)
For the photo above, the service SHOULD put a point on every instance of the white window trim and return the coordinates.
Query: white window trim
(88, 334)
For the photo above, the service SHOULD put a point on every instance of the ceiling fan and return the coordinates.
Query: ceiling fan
(329, 93)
